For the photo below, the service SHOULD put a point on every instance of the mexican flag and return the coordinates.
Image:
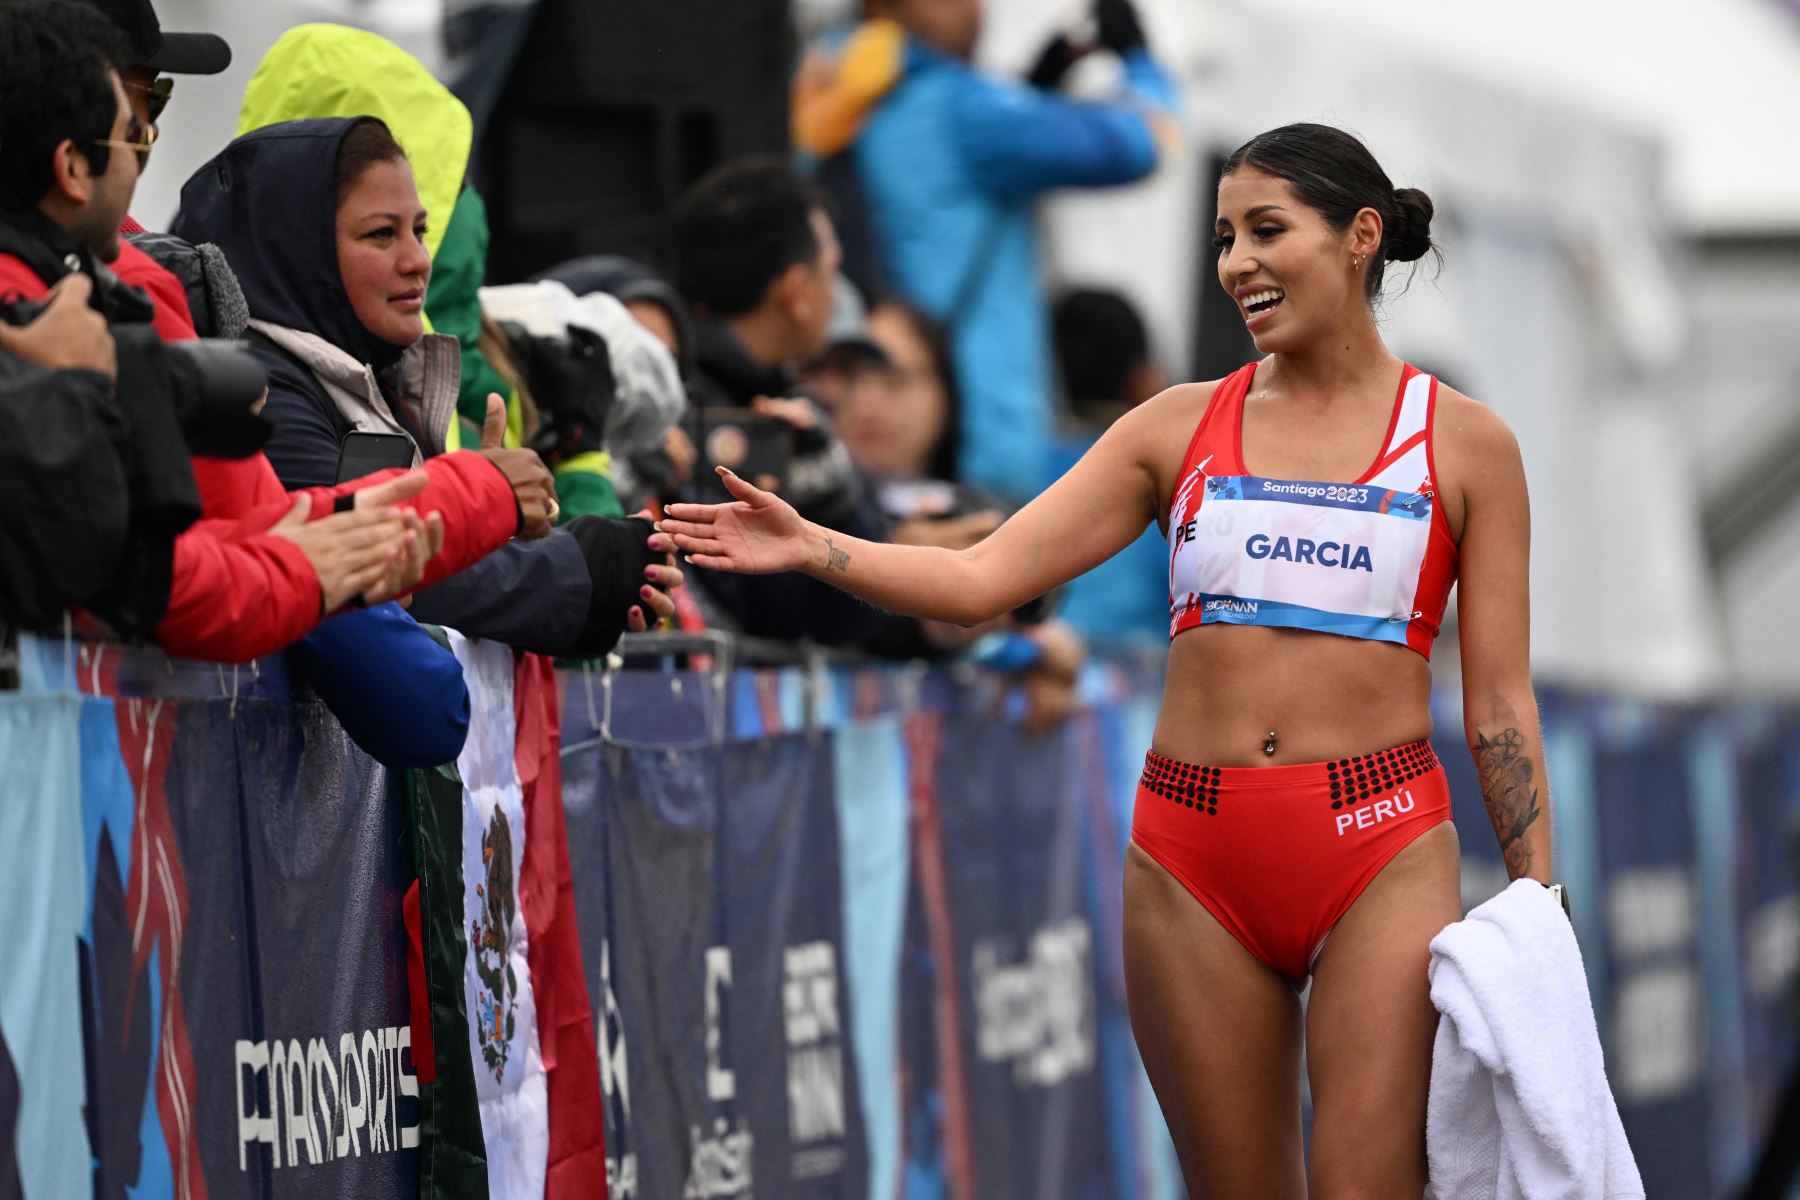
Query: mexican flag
(515, 1080)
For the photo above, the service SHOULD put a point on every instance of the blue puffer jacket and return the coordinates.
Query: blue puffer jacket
(951, 161)
(394, 688)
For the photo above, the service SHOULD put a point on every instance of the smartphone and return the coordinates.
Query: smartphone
(366, 453)
(755, 447)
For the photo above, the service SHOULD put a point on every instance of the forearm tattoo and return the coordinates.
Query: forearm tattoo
(1510, 793)
(835, 559)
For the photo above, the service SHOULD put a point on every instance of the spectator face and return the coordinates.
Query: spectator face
(951, 26)
(813, 292)
(103, 199)
(892, 419)
(381, 253)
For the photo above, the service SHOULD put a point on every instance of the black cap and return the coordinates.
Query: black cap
(170, 53)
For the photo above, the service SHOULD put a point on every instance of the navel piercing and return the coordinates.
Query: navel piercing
(1269, 746)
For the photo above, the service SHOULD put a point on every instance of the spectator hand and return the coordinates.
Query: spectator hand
(571, 378)
(664, 577)
(68, 334)
(532, 484)
(351, 552)
(424, 538)
(1051, 686)
(1054, 62)
(758, 534)
(1120, 30)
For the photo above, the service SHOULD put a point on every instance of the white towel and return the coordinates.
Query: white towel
(1519, 1103)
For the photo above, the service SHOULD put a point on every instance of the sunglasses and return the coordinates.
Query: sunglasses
(156, 95)
(138, 140)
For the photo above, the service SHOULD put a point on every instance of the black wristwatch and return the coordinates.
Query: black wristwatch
(1561, 893)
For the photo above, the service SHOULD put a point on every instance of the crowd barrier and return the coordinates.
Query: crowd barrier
(843, 932)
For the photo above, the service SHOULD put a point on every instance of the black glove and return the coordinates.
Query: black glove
(1120, 30)
(1053, 63)
(572, 382)
(617, 550)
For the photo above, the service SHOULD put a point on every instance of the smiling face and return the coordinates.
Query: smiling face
(381, 252)
(1294, 277)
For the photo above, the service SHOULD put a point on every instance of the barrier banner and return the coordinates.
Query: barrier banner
(1657, 1043)
(1003, 1026)
(712, 923)
(245, 996)
(43, 1147)
(1768, 897)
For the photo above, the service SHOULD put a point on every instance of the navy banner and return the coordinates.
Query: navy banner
(712, 924)
(245, 962)
(846, 934)
(1002, 1037)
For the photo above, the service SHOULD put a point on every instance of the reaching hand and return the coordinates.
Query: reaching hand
(67, 334)
(758, 534)
(351, 552)
(531, 481)
(663, 578)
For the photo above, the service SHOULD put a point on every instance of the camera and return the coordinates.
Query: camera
(212, 384)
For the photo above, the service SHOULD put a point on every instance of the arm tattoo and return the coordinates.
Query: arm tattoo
(835, 559)
(1510, 794)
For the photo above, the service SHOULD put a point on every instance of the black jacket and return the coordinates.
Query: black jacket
(100, 472)
(826, 488)
(269, 202)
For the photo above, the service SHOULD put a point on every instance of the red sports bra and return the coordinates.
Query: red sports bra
(1368, 559)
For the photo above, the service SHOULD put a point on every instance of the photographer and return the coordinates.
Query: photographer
(70, 152)
(757, 258)
(60, 435)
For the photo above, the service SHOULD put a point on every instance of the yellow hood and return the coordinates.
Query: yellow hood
(335, 71)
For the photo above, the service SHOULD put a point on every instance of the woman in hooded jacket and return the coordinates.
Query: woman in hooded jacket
(322, 223)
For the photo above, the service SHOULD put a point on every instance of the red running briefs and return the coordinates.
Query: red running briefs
(1279, 854)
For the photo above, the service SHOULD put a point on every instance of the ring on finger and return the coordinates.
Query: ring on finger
(554, 507)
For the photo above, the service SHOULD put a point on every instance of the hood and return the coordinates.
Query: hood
(269, 201)
(335, 71)
(837, 86)
(628, 279)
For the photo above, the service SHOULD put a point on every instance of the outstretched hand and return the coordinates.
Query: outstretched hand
(757, 534)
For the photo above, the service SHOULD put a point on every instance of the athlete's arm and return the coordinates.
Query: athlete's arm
(1087, 516)
(1500, 716)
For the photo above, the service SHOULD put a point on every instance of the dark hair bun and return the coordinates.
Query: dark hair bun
(1409, 234)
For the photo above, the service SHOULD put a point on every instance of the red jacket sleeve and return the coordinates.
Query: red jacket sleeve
(19, 282)
(480, 513)
(233, 597)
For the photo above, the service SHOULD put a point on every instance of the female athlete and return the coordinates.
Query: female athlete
(1291, 820)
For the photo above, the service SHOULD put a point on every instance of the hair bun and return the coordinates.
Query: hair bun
(1409, 234)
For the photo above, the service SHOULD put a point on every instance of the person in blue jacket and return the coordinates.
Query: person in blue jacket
(949, 161)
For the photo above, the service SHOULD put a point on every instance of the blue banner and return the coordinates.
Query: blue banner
(1657, 1059)
(1012, 1042)
(712, 923)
